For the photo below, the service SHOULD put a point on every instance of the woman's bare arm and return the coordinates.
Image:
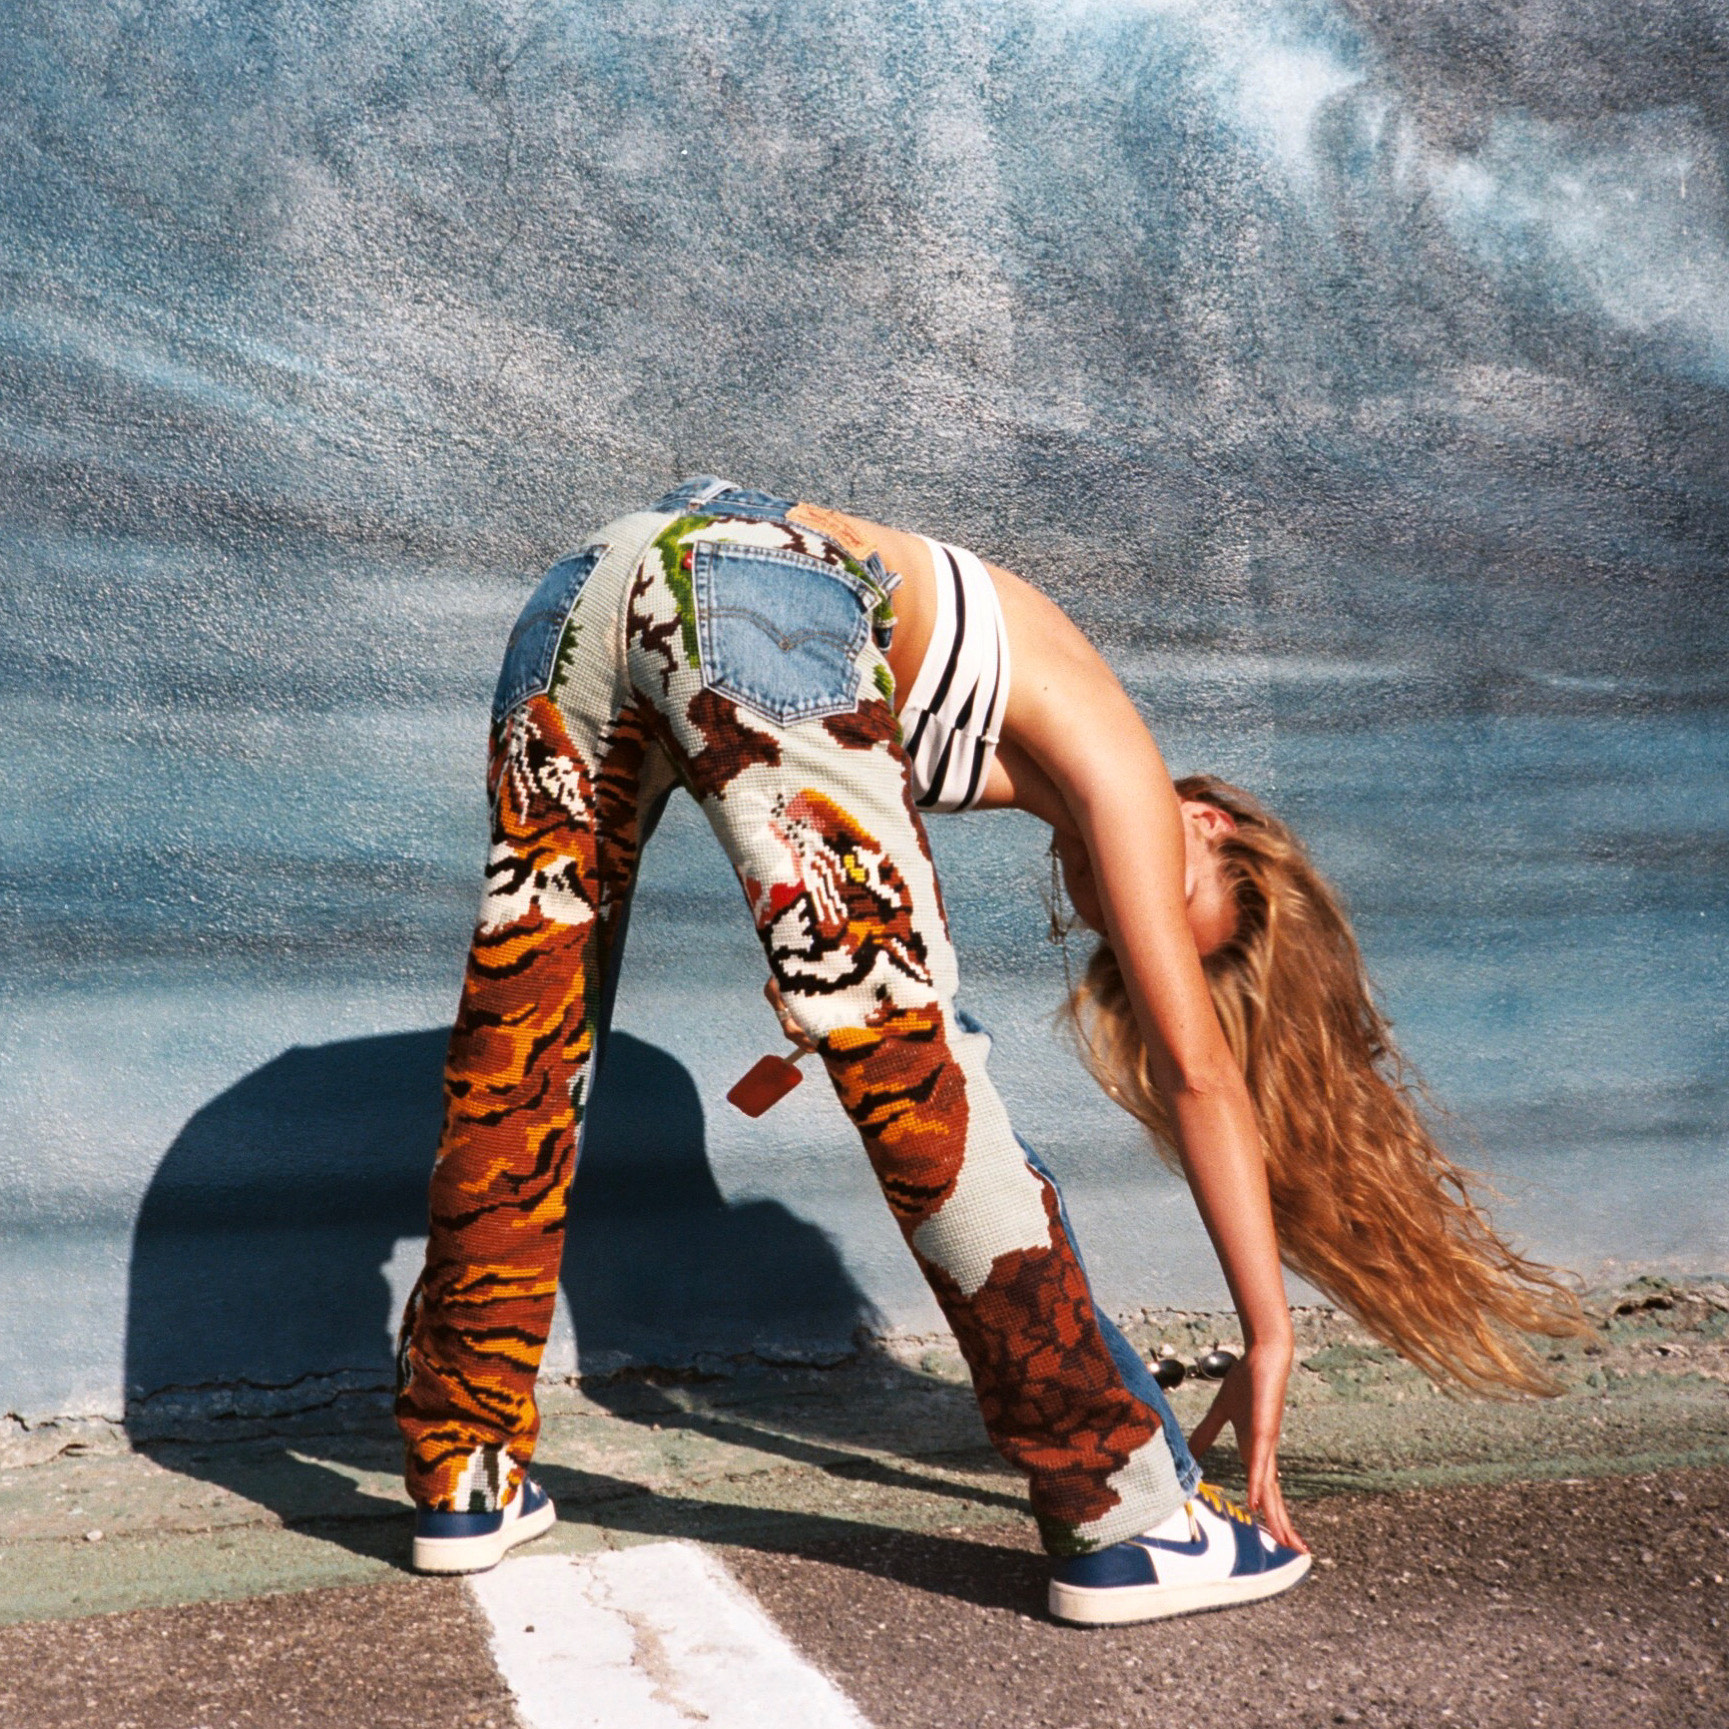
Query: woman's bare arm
(1076, 753)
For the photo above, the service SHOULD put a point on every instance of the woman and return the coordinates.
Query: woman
(817, 681)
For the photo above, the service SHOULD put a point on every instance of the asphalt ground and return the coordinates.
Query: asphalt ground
(411, 1654)
(1593, 1605)
(1575, 1605)
(1480, 1564)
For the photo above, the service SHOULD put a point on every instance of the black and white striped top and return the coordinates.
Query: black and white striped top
(953, 715)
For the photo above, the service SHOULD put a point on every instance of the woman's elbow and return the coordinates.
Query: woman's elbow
(1200, 1078)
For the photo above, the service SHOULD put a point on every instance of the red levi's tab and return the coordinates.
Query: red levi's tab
(764, 1085)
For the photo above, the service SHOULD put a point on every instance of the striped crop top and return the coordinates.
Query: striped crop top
(952, 718)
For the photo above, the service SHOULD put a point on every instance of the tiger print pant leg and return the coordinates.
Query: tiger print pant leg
(558, 879)
(817, 817)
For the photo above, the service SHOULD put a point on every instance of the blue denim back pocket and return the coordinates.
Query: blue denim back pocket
(532, 653)
(781, 633)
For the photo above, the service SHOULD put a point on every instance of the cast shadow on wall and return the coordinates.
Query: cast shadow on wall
(257, 1284)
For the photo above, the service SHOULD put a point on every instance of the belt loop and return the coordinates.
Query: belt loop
(885, 582)
(713, 489)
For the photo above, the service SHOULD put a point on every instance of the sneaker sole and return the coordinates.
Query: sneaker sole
(477, 1554)
(1116, 1605)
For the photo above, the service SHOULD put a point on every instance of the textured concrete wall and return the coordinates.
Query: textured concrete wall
(1357, 372)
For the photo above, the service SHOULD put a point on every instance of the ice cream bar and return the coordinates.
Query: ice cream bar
(766, 1083)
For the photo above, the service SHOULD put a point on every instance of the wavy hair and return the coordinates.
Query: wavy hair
(1368, 1208)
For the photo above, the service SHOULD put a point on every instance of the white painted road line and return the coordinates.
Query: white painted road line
(656, 1637)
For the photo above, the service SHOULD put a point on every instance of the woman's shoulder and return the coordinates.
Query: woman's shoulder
(1043, 636)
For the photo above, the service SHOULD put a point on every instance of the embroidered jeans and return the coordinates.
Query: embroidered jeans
(714, 643)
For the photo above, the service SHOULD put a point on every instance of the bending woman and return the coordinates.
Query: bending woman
(818, 683)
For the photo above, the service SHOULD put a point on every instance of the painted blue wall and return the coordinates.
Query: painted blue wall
(1356, 372)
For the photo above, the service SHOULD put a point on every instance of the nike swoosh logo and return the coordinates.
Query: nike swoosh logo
(1196, 1546)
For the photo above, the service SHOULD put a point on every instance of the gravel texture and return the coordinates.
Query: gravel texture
(406, 1653)
(1561, 1604)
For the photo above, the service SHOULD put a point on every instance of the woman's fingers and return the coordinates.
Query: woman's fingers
(1231, 1404)
(1206, 1432)
(1274, 1515)
(787, 1024)
(1256, 1422)
(1260, 1448)
(1270, 1510)
(1266, 1499)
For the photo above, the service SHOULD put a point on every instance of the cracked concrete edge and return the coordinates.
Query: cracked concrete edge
(1692, 1309)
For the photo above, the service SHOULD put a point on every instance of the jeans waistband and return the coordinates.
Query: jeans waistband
(708, 494)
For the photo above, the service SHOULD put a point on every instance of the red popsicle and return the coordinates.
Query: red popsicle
(766, 1083)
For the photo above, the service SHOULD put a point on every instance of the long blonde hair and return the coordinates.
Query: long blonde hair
(1368, 1208)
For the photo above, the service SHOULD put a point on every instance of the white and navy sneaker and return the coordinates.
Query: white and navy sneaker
(1209, 1554)
(472, 1542)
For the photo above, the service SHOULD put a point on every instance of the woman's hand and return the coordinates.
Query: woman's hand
(1252, 1401)
(787, 1024)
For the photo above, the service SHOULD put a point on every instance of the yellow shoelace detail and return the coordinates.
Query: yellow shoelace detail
(1225, 1509)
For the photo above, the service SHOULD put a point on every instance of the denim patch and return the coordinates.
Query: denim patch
(1136, 1376)
(533, 649)
(780, 633)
